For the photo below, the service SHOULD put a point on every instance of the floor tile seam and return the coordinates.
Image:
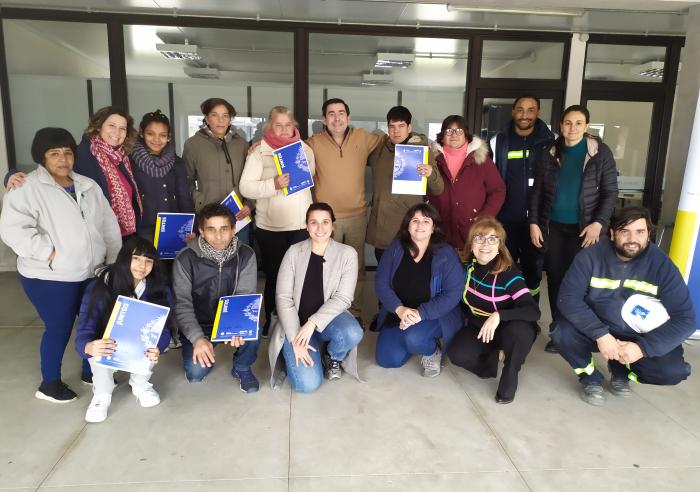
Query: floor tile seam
(68, 449)
(614, 468)
(289, 441)
(403, 474)
(165, 482)
(482, 417)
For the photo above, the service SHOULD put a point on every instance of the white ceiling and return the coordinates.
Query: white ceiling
(625, 16)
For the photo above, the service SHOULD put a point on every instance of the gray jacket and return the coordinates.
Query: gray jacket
(198, 284)
(339, 279)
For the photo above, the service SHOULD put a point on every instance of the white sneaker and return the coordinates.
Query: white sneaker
(146, 395)
(97, 411)
(431, 364)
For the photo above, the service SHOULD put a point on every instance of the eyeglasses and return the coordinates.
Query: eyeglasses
(486, 239)
(454, 131)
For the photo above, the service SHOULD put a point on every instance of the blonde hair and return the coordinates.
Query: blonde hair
(277, 110)
(480, 227)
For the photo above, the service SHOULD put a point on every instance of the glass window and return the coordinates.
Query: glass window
(50, 65)
(625, 126)
(625, 63)
(253, 70)
(374, 73)
(521, 60)
(496, 114)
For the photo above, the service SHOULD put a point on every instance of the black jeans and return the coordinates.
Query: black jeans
(273, 245)
(529, 257)
(562, 245)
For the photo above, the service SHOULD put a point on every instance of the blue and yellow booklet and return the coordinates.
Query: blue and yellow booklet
(406, 180)
(237, 316)
(234, 203)
(291, 159)
(136, 326)
(171, 233)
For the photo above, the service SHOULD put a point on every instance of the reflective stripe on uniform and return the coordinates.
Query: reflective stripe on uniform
(604, 283)
(534, 292)
(518, 154)
(632, 376)
(641, 286)
(588, 369)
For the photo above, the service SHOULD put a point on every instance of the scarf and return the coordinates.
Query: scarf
(154, 166)
(218, 256)
(276, 141)
(108, 158)
(454, 158)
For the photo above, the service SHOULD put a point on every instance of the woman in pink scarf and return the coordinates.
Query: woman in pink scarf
(280, 218)
(103, 156)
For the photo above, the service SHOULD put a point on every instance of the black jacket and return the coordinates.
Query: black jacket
(598, 189)
(170, 193)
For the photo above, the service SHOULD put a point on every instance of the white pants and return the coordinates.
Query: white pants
(103, 378)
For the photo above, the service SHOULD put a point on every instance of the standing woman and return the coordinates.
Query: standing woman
(572, 199)
(419, 280)
(61, 227)
(473, 185)
(160, 173)
(315, 286)
(103, 155)
(215, 156)
(501, 313)
(279, 219)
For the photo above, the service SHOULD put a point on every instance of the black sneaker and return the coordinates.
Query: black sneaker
(551, 348)
(592, 393)
(55, 392)
(247, 380)
(620, 387)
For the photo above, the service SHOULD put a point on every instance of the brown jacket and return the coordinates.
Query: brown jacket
(388, 209)
(340, 170)
(213, 173)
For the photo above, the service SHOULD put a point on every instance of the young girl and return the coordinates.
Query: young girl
(136, 273)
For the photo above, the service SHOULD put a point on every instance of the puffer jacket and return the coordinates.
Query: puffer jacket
(198, 283)
(598, 188)
(214, 166)
(476, 190)
(388, 209)
(41, 216)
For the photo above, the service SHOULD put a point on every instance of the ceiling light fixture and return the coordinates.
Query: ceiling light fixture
(372, 79)
(650, 69)
(394, 60)
(515, 11)
(179, 51)
(202, 73)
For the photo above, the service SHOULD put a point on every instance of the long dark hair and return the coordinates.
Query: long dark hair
(436, 239)
(559, 142)
(117, 280)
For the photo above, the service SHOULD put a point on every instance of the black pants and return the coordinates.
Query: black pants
(273, 245)
(562, 245)
(514, 337)
(529, 257)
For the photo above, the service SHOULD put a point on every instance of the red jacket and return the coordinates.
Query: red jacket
(476, 190)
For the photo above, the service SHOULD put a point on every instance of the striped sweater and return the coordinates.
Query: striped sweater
(504, 292)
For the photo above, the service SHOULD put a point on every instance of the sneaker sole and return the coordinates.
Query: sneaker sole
(41, 396)
(596, 402)
(94, 421)
(431, 374)
(252, 390)
(621, 394)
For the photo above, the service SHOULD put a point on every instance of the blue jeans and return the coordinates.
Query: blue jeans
(58, 304)
(342, 334)
(243, 358)
(395, 346)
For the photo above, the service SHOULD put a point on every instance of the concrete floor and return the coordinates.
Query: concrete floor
(398, 431)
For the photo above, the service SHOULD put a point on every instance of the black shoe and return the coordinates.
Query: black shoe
(551, 348)
(373, 324)
(503, 401)
(592, 393)
(620, 387)
(55, 392)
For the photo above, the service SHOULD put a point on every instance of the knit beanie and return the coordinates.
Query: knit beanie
(50, 138)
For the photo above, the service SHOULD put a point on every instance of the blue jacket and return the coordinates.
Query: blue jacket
(598, 283)
(446, 285)
(88, 329)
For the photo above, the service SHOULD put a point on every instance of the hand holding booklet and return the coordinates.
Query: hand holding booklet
(135, 326)
(291, 159)
(234, 203)
(237, 316)
(406, 180)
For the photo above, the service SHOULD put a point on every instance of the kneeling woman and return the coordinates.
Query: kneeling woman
(315, 287)
(501, 313)
(419, 281)
(136, 273)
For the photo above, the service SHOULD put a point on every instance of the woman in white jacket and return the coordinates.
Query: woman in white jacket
(279, 218)
(61, 227)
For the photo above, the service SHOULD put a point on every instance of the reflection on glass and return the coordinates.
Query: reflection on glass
(253, 70)
(50, 65)
(496, 115)
(625, 127)
(625, 63)
(521, 60)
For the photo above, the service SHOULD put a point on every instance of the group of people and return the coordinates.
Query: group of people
(448, 282)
